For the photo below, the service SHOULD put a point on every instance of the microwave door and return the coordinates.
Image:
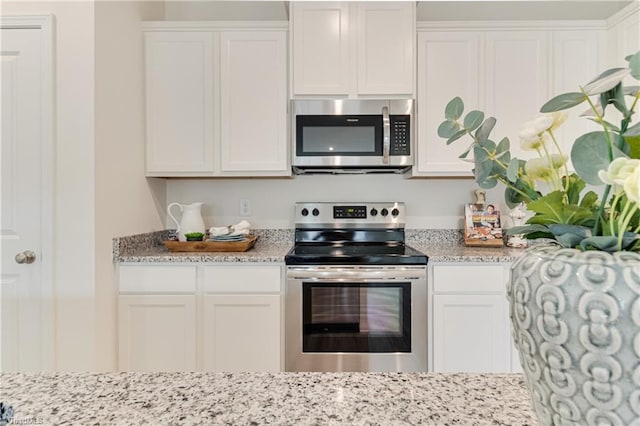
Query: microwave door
(339, 140)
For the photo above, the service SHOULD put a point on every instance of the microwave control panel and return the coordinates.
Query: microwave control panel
(400, 140)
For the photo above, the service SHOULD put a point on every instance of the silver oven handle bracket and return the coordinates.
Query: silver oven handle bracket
(386, 135)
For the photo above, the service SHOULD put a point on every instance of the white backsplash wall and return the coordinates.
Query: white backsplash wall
(431, 203)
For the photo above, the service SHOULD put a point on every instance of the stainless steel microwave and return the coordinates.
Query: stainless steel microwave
(352, 136)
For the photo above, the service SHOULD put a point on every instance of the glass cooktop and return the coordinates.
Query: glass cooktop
(354, 254)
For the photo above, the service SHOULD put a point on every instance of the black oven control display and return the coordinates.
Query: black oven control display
(349, 212)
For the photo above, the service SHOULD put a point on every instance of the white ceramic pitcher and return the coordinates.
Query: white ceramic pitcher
(191, 220)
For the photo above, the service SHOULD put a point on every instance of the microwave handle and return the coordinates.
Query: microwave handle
(386, 135)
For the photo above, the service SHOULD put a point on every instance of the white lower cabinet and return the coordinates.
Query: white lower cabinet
(200, 318)
(241, 311)
(470, 329)
(157, 332)
(241, 332)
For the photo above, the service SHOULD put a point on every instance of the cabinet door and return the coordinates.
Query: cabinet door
(320, 52)
(470, 334)
(449, 64)
(157, 333)
(179, 102)
(386, 39)
(575, 63)
(241, 332)
(516, 81)
(253, 110)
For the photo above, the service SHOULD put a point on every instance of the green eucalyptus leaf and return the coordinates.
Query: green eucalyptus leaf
(590, 154)
(483, 164)
(606, 81)
(564, 101)
(488, 145)
(528, 229)
(503, 146)
(454, 109)
(563, 228)
(447, 129)
(551, 209)
(457, 135)
(512, 170)
(614, 96)
(512, 198)
(473, 120)
(466, 153)
(484, 131)
(601, 242)
(634, 64)
(633, 130)
(634, 146)
(488, 183)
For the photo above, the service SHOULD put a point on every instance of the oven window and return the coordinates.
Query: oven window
(356, 317)
(319, 135)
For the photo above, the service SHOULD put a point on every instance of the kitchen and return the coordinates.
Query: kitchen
(100, 82)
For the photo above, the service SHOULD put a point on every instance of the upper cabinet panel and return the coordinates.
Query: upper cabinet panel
(449, 65)
(216, 99)
(179, 98)
(353, 49)
(516, 81)
(254, 145)
(386, 33)
(320, 52)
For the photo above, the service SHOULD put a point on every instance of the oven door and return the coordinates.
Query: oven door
(356, 318)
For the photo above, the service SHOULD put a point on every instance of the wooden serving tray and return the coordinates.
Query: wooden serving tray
(205, 246)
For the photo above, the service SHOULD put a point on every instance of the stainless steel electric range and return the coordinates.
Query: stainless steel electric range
(356, 296)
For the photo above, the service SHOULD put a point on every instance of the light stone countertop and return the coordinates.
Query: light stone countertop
(272, 245)
(267, 399)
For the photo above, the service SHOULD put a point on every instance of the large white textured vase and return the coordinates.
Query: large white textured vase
(576, 323)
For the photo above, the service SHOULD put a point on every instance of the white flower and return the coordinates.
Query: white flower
(534, 144)
(559, 117)
(618, 171)
(544, 168)
(632, 184)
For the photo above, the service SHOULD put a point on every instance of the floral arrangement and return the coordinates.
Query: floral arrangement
(562, 207)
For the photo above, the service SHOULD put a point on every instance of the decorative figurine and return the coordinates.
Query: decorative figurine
(517, 215)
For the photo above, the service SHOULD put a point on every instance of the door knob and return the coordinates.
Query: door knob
(26, 256)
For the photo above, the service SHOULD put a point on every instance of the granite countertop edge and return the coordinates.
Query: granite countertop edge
(440, 245)
(267, 398)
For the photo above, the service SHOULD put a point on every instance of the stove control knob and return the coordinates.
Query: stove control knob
(395, 212)
(384, 212)
(304, 212)
(315, 212)
(374, 212)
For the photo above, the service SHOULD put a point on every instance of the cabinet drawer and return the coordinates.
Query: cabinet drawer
(158, 279)
(244, 279)
(469, 279)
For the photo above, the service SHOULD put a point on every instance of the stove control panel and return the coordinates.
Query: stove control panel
(350, 215)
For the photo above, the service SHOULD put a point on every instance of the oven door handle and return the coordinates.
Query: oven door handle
(356, 276)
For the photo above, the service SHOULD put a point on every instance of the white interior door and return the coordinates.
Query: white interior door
(26, 302)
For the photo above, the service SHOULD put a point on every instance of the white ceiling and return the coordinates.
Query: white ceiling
(432, 10)
(427, 10)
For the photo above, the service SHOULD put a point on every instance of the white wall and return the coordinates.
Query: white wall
(100, 189)
(431, 203)
(125, 203)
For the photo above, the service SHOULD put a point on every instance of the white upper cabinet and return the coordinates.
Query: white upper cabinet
(353, 49)
(506, 72)
(216, 99)
(516, 81)
(448, 65)
(179, 98)
(253, 102)
(386, 33)
(320, 48)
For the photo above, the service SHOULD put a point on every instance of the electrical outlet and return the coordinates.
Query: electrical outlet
(245, 207)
